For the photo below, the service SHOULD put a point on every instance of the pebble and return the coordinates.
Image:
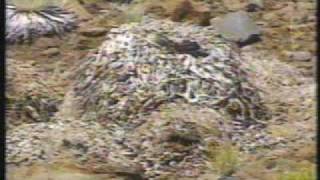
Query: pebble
(51, 52)
(93, 32)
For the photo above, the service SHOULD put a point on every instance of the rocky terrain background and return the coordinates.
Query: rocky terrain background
(42, 107)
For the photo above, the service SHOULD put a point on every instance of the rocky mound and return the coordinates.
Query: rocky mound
(141, 66)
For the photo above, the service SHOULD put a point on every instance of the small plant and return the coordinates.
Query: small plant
(135, 13)
(224, 158)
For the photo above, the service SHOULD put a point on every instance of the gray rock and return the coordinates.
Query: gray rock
(237, 27)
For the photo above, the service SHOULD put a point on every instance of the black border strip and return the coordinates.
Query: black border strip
(2, 89)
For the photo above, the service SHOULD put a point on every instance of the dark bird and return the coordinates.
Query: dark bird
(184, 47)
(190, 47)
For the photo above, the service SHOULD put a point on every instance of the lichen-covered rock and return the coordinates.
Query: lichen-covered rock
(26, 25)
(141, 66)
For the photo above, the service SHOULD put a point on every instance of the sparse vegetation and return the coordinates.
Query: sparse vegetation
(303, 174)
(224, 158)
(134, 14)
(31, 5)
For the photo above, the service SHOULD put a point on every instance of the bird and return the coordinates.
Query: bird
(184, 47)
(190, 47)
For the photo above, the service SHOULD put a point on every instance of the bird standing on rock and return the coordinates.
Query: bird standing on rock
(184, 47)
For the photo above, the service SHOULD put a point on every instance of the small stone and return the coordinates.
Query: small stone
(215, 20)
(300, 56)
(93, 32)
(51, 52)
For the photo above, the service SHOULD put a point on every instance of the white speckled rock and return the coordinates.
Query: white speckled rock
(24, 26)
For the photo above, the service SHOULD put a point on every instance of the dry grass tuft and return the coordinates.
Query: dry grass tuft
(224, 158)
(32, 5)
(303, 174)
